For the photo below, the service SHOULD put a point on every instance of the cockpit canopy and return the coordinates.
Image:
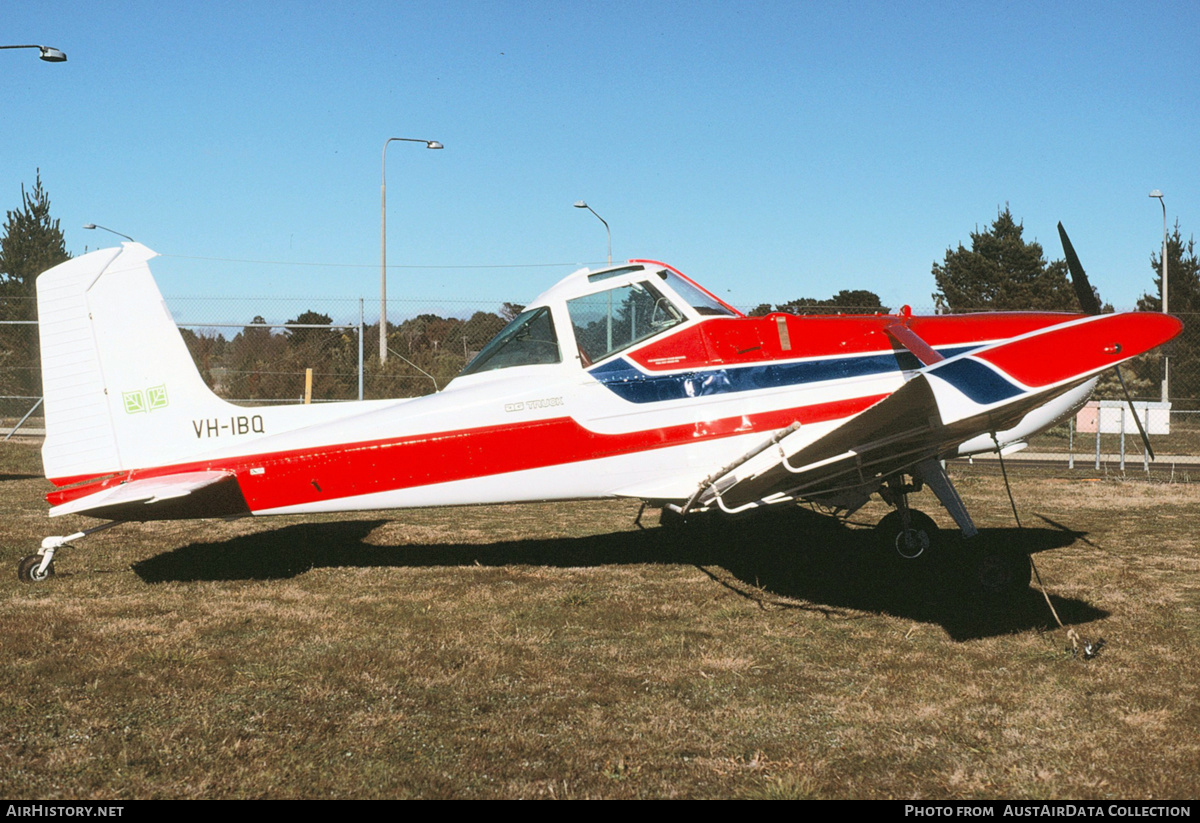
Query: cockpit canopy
(598, 314)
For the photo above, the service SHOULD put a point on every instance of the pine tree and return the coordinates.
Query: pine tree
(32, 242)
(1001, 272)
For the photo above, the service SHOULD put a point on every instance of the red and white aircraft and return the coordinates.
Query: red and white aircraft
(628, 381)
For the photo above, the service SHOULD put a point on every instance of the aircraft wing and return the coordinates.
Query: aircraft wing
(207, 493)
(948, 403)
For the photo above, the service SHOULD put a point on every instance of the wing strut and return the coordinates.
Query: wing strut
(710, 481)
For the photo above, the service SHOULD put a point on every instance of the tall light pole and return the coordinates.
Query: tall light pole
(1166, 371)
(429, 144)
(50, 55)
(579, 204)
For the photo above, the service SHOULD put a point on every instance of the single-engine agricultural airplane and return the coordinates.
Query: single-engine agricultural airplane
(627, 381)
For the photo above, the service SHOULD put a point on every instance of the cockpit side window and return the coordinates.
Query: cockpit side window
(528, 340)
(607, 322)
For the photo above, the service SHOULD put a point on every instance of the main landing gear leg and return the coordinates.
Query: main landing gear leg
(933, 474)
(36, 568)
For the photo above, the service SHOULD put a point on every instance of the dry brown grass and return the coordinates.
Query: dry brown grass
(560, 652)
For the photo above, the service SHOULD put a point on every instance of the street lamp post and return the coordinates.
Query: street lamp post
(1166, 370)
(579, 204)
(117, 233)
(429, 144)
(50, 55)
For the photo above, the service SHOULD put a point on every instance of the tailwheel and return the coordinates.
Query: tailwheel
(27, 569)
(916, 540)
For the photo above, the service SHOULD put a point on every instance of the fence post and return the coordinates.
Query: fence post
(1145, 453)
(1122, 440)
(360, 348)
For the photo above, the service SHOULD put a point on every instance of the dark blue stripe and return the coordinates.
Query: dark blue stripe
(979, 382)
(634, 385)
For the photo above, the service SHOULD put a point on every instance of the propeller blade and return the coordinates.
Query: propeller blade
(1133, 411)
(1083, 288)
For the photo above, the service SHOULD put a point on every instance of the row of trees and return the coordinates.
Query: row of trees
(1000, 271)
(846, 301)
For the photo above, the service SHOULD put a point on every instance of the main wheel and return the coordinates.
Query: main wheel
(918, 541)
(27, 569)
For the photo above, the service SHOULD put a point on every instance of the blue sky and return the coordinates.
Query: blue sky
(770, 150)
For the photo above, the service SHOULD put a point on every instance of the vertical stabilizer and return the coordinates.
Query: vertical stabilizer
(120, 386)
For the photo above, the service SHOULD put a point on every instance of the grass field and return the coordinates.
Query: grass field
(559, 651)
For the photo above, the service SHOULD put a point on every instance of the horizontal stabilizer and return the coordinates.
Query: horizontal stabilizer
(197, 494)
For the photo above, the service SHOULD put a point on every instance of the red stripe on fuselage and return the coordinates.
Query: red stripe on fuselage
(297, 477)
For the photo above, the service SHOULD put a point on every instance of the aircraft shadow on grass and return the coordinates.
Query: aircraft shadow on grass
(793, 560)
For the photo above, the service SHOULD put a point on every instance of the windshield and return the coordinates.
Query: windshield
(697, 299)
(612, 320)
(528, 340)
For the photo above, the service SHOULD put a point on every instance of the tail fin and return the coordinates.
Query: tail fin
(121, 389)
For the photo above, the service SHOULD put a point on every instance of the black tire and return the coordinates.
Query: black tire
(27, 569)
(919, 543)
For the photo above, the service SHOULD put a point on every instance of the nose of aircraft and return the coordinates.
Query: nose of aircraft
(1082, 346)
